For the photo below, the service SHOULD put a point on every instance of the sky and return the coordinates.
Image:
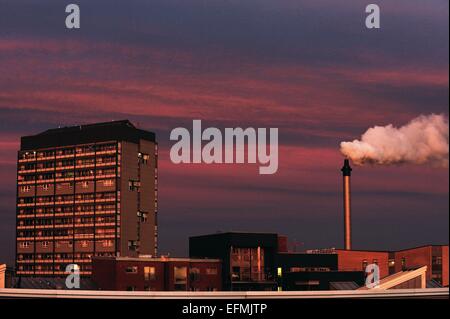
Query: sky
(309, 68)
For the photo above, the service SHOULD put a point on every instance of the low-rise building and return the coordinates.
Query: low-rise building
(435, 257)
(157, 274)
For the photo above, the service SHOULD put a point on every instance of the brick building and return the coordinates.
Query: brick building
(357, 260)
(435, 257)
(157, 274)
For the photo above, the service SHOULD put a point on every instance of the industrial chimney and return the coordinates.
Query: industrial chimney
(346, 173)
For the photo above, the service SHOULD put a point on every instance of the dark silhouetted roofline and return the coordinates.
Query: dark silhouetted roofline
(122, 130)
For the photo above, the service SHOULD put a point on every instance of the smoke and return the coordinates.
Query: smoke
(424, 140)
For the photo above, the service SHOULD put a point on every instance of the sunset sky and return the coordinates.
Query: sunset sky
(309, 68)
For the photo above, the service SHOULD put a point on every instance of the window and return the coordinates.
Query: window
(25, 244)
(107, 243)
(436, 260)
(25, 189)
(46, 187)
(131, 270)
(143, 158)
(134, 185)
(180, 278)
(211, 271)
(45, 244)
(142, 216)
(108, 182)
(194, 274)
(364, 265)
(132, 245)
(149, 273)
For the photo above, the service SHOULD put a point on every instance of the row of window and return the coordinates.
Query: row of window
(67, 243)
(67, 185)
(66, 232)
(180, 273)
(68, 163)
(67, 221)
(67, 174)
(67, 209)
(50, 267)
(68, 151)
(68, 198)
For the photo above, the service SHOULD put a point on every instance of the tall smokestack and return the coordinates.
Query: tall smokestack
(346, 173)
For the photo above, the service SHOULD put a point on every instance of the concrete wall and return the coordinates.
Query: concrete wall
(131, 169)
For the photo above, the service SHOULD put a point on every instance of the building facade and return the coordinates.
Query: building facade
(248, 258)
(261, 261)
(85, 191)
(358, 260)
(435, 257)
(313, 271)
(157, 274)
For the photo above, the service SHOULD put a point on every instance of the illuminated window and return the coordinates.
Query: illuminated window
(108, 182)
(180, 278)
(25, 244)
(279, 272)
(25, 189)
(107, 243)
(143, 158)
(149, 273)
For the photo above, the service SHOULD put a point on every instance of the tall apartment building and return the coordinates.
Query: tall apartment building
(85, 191)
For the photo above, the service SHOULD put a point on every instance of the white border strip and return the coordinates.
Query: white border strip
(95, 294)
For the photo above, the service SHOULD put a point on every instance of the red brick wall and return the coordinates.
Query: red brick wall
(124, 279)
(352, 260)
(416, 257)
(282, 244)
(445, 266)
(207, 281)
(104, 273)
(110, 274)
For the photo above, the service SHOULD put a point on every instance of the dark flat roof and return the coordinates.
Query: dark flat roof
(84, 134)
(236, 233)
(423, 246)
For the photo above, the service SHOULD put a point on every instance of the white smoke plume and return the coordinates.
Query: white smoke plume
(424, 140)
